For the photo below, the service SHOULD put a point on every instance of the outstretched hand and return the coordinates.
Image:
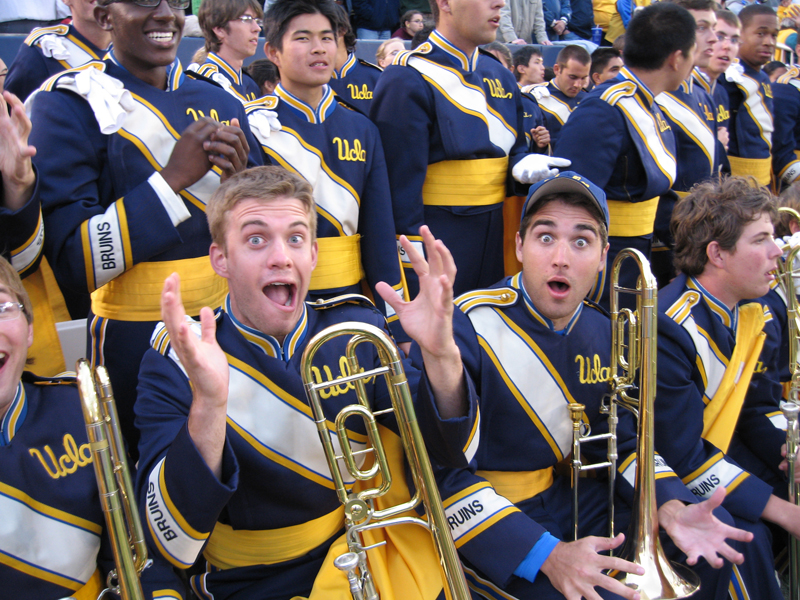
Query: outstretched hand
(697, 532)
(16, 168)
(207, 368)
(428, 320)
(576, 568)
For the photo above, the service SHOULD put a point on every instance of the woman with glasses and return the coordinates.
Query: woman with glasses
(231, 29)
(52, 540)
(410, 23)
(126, 148)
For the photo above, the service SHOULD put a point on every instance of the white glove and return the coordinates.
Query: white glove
(262, 123)
(54, 47)
(535, 167)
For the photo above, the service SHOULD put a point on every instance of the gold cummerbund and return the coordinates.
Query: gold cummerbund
(92, 589)
(136, 294)
(477, 182)
(759, 168)
(631, 219)
(338, 263)
(228, 548)
(517, 486)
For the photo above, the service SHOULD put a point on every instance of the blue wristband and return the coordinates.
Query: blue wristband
(530, 565)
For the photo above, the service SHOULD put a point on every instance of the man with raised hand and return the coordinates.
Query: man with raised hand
(231, 462)
(451, 120)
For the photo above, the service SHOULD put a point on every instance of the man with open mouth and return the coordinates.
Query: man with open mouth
(231, 461)
(129, 151)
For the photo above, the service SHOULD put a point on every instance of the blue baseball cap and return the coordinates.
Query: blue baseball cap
(566, 181)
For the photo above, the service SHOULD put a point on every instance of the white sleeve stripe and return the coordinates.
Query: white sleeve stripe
(172, 203)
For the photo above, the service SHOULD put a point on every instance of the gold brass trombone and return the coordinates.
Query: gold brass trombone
(636, 370)
(360, 514)
(114, 482)
(791, 408)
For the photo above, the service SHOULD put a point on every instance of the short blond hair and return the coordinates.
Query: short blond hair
(10, 278)
(263, 184)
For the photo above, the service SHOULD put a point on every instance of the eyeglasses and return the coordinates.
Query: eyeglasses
(10, 310)
(175, 4)
(247, 20)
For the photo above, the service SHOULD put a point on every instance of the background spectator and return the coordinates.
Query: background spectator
(521, 21)
(410, 23)
(387, 51)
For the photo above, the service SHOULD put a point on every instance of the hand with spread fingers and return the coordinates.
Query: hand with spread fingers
(576, 568)
(428, 320)
(16, 168)
(697, 532)
(207, 368)
(228, 148)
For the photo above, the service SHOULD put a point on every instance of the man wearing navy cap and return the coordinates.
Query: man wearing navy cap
(532, 344)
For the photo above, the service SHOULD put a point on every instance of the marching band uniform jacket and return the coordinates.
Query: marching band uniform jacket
(696, 342)
(619, 139)
(751, 122)
(532, 117)
(555, 105)
(690, 322)
(114, 226)
(274, 513)
(355, 82)
(525, 374)
(719, 96)
(237, 83)
(45, 52)
(786, 139)
(339, 152)
(452, 152)
(53, 524)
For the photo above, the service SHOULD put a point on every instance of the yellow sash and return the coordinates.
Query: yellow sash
(136, 294)
(478, 182)
(228, 548)
(92, 589)
(48, 309)
(512, 213)
(631, 219)
(517, 486)
(759, 168)
(722, 412)
(406, 568)
(338, 263)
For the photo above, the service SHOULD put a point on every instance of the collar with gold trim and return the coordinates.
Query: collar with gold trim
(517, 283)
(313, 115)
(642, 89)
(14, 417)
(348, 66)
(464, 62)
(267, 343)
(225, 66)
(175, 75)
(727, 317)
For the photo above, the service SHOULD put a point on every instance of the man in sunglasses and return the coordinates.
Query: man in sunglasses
(231, 29)
(50, 50)
(129, 151)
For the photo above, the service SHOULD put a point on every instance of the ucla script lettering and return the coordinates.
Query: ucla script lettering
(496, 88)
(354, 154)
(592, 370)
(197, 114)
(359, 93)
(74, 456)
(335, 390)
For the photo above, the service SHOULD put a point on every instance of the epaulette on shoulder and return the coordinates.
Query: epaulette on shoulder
(793, 73)
(206, 69)
(594, 305)
(528, 89)
(369, 64)
(402, 57)
(200, 77)
(65, 378)
(358, 299)
(620, 90)
(345, 104)
(681, 309)
(51, 83)
(159, 340)
(504, 296)
(265, 102)
(38, 33)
